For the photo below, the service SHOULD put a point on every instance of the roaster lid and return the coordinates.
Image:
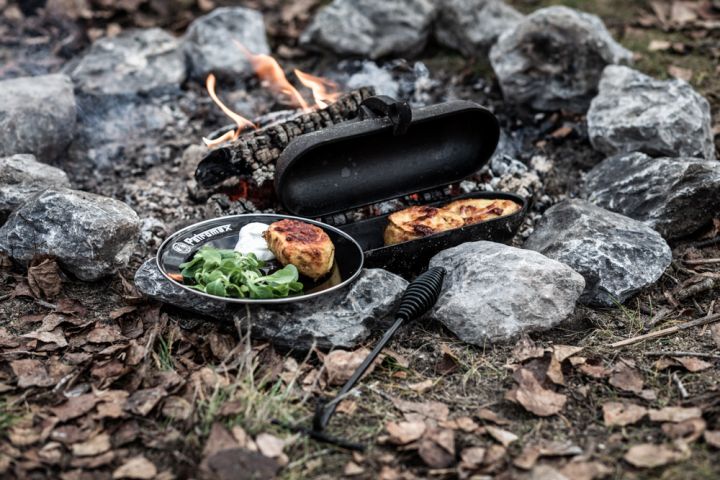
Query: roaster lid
(384, 156)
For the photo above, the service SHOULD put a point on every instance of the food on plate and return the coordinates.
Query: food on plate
(421, 221)
(228, 273)
(417, 222)
(476, 210)
(251, 240)
(306, 246)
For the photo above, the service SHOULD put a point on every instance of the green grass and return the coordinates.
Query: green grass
(163, 356)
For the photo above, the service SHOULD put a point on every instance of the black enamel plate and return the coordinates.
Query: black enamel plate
(223, 233)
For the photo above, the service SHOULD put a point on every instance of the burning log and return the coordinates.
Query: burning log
(255, 153)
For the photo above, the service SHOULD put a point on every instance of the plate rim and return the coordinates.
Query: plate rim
(260, 301)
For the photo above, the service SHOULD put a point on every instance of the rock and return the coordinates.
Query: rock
(553, 59)
(634, 112)
(675, 196)
(342, 318)
(370, 75)
(209, 42)
(617, 256)
(472, 26)
(90, 235)
(371, 28)
(21, 177)
(37, 116)
(496, 292)
(136, 61)
(117, 130)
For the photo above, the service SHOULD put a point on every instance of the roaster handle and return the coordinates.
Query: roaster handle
(399, 113)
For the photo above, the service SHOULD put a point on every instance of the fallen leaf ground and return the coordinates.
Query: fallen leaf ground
(95, 382)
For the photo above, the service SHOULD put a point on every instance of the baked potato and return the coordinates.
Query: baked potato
(476, 210)
(417, 222)
(304, 245)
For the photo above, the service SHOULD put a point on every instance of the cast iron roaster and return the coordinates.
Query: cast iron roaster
(391, 152)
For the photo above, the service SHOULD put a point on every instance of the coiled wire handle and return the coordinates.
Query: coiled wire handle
(419, 297)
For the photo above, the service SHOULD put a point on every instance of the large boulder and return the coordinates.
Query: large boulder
(617, 256)
(495, 292)
(136, 61)
(675, 196)
(371, 28)
(553, 59)
(209, 42)
(634, 112)
(22, 177)
(37, 116)
(472, 26)
(343, 318)
(90, 235)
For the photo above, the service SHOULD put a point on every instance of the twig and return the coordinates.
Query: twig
(701, 261)
(706, 243)
(682, 354)
(668, 331)
(680, 386)
(705, 285)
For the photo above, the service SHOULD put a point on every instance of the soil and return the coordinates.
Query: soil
(228, 380)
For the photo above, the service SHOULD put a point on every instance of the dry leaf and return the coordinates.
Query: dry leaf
(531, 453)
(534, 397)
(715, 328)
(622, 413)
(75, 407)
(503, 436)
(44, 277)
(402, 433)
(435, 410)
(472, 458)
(421, 387)
(594, 370)
(270, 445)
(351, 469)
(681, 73)
(143, 401)
(649, 455)
(712, 438)
(585, 470)
(341, 364)
(490, 416)
(437, 448)
(659, 45)
(31, 373)
(105, 334)
(688, 430)
(627, 378)
(176, 408)
(95, 446)
(56, 336)
(693, 364)
(682, 13)
(466, 424)
(674, 414)
(525, 349)
(139, 468)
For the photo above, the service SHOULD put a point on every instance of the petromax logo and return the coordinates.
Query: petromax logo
(185, 246)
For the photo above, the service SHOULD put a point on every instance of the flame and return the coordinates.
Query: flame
(239, 120)
(324, 91)
(272, 76)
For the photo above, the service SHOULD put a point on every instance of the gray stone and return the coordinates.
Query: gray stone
(21, 177)
(617, 256)
(370, 75)
(90, 235)
(494, 292)
(675, 196)
(371, 28)
(343, 318)
(135, 61)
(634, 112)
(209, 42)
(37, 116)
(472, 26)
(113, 130)
(553, 59)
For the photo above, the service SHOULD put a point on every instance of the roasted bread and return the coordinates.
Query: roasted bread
(304, 245)
(417, 222)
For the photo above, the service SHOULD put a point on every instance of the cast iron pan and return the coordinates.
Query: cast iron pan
(223, 233)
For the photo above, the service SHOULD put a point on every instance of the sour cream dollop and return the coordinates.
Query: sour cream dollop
(251, 240)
